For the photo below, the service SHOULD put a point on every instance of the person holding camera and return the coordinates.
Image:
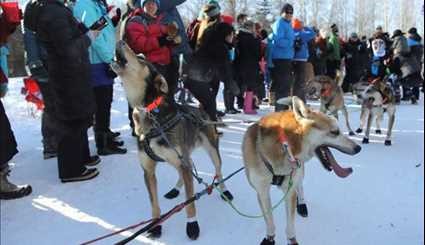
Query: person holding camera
(96, 15)
(67, 41)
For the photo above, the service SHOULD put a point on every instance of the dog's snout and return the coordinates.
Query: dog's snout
(358, 149)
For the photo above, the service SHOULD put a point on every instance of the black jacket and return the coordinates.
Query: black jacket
(248, 54)
(67, 45)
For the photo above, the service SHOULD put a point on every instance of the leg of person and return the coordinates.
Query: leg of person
(283, 79)
(8, 149)
(204, 93)
(105, 142)
(130, 118)
(300, 83)
(73, 152)
(48, 123)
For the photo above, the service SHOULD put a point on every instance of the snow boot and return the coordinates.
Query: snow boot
(302, 210)
(248, 107)
(192, 230)
(155, 232)
(9, 190)
(107, 146)
(268, 241)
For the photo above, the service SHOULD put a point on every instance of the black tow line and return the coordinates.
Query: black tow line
(177, 209)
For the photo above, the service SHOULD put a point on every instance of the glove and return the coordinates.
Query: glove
(39, 72)
(172, 29)
(164, 41)
(3, 89)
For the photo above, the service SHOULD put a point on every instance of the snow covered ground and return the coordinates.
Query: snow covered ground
(381, 203)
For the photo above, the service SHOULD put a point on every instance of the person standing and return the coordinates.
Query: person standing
(354, 51)
(414, 40)
(67, 42)
(8, 146)
(334, 52)
(282, 54)
(101, 54)
(303, 35)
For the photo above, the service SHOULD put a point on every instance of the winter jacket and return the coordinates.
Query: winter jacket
(36, 56)
(400, 46)
(142, 35)
(4, 52)
(283, 37)
(248, 55)
(305, 35)
(354, 51)
(102, 49)
(68, 59)
(334, 48)
(169, 9)
(416, 49)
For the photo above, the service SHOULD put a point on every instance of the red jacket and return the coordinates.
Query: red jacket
(142, 34)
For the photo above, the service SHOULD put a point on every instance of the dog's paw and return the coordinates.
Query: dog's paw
(352, 133)
(302, 210)
(359, 131)
(293, 241)
(268, 241)
(155, 232)
(365, 141)
(378, 131)
(388, 143)
(192, 230)
(227, 196)
(172, 194)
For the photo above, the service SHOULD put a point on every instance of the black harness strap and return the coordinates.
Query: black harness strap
(277, 179)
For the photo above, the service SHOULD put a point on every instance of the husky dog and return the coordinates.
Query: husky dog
(377, 98)
(308, 133)
(331, 97)
(167, 131)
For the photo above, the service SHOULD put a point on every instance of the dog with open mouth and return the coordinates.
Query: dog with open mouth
(272, 145)
(166, 132)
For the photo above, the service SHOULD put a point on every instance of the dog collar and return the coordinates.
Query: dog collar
(283, 139)
(154, 105)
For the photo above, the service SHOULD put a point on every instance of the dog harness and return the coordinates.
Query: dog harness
(278, 179)
(159, 128)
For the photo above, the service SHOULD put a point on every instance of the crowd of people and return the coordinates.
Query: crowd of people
(70, 44)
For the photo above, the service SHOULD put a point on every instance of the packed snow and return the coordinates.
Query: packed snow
(381, 203)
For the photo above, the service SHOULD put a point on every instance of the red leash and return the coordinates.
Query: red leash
(117, 232)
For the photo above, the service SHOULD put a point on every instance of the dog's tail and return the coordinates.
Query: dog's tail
(285, 101)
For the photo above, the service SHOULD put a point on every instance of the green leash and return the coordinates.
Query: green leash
(238, 211)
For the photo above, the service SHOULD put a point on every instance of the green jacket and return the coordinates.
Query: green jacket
(334, 48)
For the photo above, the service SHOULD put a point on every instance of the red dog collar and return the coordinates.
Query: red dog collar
(154, 105)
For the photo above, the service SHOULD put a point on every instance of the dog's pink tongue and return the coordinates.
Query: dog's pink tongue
(340, 171)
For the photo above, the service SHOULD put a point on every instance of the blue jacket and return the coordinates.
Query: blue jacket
(411, 42)
(4, 52)
(306, 35)
(36, 56)
(282, 40)
(102, 50)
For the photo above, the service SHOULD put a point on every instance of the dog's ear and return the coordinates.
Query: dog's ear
(161, 84)
(299, 108)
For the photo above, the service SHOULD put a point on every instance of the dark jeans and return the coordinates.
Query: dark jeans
(206, 94)
(49, 123)
(8, 146)
(332, 67)
(300, 79)
(73, 148)
(103, 96)
(282, 80)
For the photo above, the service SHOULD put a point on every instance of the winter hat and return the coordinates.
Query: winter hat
(228, 19)
(413, 31)
(379, 28)
(297, 24)
(354, 35)
(215, 3)
(287, 8)
(211, 10)
(249, 25)
(158, 3)
(334, 28)
(397, 33)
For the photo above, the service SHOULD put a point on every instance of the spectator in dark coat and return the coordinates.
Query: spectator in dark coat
(67, 42)
(37, 63)
(247, 62)
(354, 49)
(8, 146)
(414, 41)
(320, 53)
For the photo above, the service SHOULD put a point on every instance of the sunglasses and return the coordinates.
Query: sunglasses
(291, 13)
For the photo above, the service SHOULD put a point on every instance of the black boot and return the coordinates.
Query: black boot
(106, 145)
(8, 190)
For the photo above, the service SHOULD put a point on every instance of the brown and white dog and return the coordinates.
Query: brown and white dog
(331, 97)
(377, 98)
(308, 133)
(156, 115)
